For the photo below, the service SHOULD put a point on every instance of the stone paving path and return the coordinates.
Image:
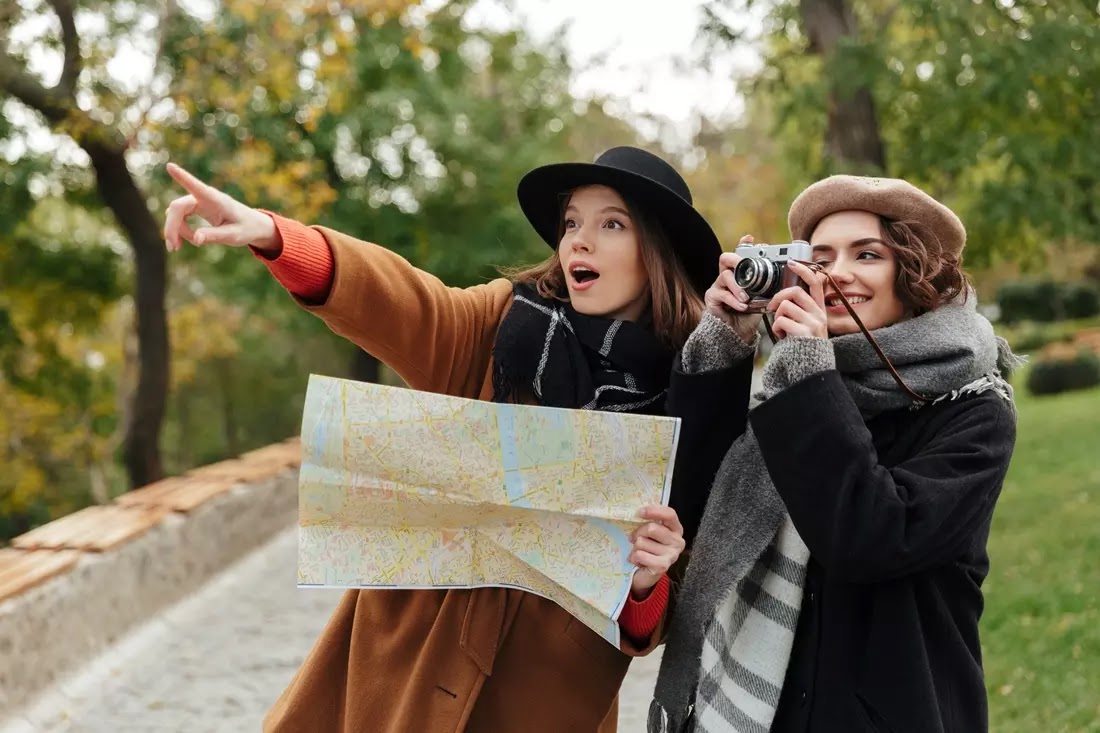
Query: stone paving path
(216, 661)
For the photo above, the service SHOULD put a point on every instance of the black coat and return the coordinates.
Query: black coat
(896, 513)
(711, 407)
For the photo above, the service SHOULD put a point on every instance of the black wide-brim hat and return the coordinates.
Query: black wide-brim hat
(643, 178)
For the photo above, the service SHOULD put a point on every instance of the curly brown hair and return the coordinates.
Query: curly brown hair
(674, 306)
(928, 277)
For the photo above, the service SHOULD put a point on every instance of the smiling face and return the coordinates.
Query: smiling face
(850, 246)
(601, 254)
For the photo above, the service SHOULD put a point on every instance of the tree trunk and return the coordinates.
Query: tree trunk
(106, 147)
(119, 191)
(853, 142)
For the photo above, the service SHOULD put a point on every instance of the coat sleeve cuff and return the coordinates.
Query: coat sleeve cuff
(639, 619)
(305, 265)
(715, 345)
(795, 358)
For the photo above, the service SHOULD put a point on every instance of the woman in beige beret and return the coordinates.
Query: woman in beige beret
(835, 583)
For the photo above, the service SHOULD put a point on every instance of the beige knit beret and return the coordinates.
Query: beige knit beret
(889, 197)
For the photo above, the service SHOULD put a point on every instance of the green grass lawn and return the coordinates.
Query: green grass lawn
(1041, 628)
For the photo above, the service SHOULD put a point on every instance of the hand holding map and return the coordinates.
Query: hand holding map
(407, 489)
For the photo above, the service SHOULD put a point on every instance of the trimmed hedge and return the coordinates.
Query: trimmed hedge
(1080, 300)
(1063, 368)
(1046, 301)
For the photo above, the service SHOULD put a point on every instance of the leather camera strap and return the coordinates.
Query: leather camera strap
(871, 339)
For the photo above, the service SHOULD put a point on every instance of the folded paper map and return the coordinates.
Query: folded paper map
(408, 489)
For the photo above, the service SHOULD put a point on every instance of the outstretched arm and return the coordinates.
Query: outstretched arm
(435, 337)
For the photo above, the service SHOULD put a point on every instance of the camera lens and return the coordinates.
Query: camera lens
(754, 275)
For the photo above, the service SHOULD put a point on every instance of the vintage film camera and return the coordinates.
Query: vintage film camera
(763, 272)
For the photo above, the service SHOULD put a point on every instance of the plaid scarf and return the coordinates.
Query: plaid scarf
(546, 349)
(731, 637)
(748, 639)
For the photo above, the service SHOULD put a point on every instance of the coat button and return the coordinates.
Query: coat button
(802, 698)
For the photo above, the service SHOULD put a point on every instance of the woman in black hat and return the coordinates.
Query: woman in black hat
(595, 326)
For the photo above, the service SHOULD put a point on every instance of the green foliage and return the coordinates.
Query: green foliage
(1065, 370)
(1080, 300)
(991, 106)
(58, 291)
(1028, 300)
(1046, 300)
(740, 185)
(236, 387)
(57, 413)
(380, 119)
(409, 132)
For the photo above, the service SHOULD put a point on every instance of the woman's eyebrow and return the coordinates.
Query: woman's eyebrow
(604, 210)
(857, 243)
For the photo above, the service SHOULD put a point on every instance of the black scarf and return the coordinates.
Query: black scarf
(546, 349)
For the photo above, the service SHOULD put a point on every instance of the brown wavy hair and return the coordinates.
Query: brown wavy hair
(927, 277)
(674, 306)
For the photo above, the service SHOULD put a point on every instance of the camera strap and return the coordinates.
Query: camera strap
(867, 334)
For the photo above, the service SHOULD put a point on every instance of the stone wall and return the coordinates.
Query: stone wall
(70, 588)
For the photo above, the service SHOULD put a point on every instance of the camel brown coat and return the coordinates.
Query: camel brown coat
(488, 660)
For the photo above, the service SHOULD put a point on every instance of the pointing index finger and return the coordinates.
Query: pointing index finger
(194, 186)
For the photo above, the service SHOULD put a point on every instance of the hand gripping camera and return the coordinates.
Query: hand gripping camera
(763, 272)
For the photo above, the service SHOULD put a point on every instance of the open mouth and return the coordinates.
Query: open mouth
(582, 274)
(832, 301)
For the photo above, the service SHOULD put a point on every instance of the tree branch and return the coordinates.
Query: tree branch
(30, 91)
(70, 71)
(166, 17)
(61, 113)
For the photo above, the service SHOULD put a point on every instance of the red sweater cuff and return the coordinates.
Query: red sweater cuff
(639, 619)
(304, 266)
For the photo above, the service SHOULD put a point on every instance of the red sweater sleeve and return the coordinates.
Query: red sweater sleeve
(639, 619)
(304, 266)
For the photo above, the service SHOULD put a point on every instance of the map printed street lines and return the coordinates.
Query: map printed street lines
(407, 489)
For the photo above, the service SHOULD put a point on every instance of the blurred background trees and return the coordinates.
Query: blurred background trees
(380, 119)
(409, 124)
